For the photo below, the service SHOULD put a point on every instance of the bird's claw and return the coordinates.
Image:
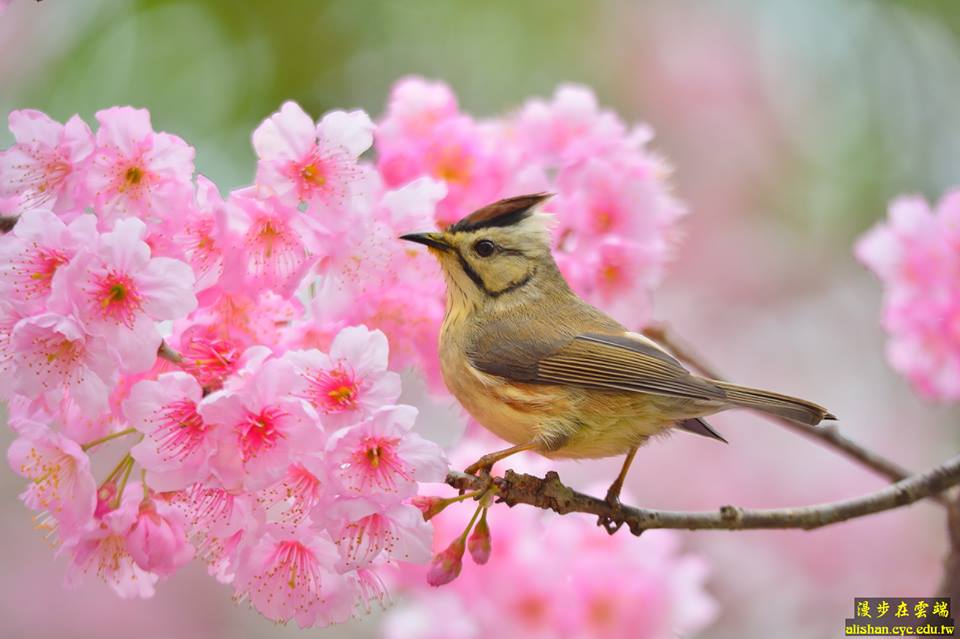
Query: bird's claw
(479, 468)
(614, 520)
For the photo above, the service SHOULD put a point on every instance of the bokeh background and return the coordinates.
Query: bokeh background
(790, 126)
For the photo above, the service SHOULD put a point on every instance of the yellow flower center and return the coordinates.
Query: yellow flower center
(115, 294)
(373, 456)
(452, 165)
(312, 173)
(341, 395)
(133, 176)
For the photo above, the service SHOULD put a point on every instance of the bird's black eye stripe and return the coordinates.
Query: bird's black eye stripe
(484, 248)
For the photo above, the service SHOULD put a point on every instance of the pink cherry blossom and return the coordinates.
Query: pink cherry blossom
(30, 255)
(915, 254)
(298, 492)
(157, 541)
(177, 442)
(414, 107)
(136, 171)
(262, 427)
(303, 162)
(287, 575)
(383, 456)
(277, 245)
(219, 521)
(351, 381)
(118, 291)
(457, 151)
(46, 165)
(102, 547)
(202, 237)
(367, 532)
(54, 359)
(208, 355)
(61, 481)
(568, 129)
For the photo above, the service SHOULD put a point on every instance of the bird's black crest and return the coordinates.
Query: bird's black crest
(506, 212)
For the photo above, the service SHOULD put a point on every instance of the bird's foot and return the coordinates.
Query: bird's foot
(481, 467)
(612, 521)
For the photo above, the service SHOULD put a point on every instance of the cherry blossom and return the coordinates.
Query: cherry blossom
(53, 359)
(300, 161)
(102, 548)
(118, 290)
(383, 456)
(262, 427)
(178, 442)
(915, 255)
(277, 244)
(350, 381)
(45, 167)
(286, 576)
(136, 171)
(61, 479)
(30, 255)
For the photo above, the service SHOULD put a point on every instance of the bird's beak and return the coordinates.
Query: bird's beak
(433, 240)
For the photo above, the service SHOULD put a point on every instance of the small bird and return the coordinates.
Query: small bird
(547, 372)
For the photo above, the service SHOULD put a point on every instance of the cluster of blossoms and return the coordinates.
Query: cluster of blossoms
(190, 375)
(277, 455)
(916, 253)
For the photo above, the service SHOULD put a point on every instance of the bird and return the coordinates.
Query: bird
(544, 370)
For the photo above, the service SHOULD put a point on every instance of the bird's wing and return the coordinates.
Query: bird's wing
(615, 361)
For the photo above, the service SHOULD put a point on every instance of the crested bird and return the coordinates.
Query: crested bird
(546, 371)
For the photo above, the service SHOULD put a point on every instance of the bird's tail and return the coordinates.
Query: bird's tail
(796, 410)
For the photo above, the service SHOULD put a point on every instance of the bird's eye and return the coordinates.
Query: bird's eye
(484, 248)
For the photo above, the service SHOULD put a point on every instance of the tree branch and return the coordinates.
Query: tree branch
(829, 435)
(549, 493)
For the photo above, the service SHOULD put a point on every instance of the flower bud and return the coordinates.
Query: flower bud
(446, 566)
(106, 498)
(157, 541)
(479, 542)
(429, 506)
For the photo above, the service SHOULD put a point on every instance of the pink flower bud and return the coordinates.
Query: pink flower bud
(429, 506)
(446, 566)
(157, 541)
(479, 542)
(106, 495)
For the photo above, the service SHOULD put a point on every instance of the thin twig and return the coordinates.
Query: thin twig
(828, 434)
(549, 493)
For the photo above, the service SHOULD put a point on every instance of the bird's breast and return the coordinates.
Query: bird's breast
(513, 411)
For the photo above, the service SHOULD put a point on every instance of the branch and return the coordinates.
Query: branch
(549, 493)
(950, 583)
(829, 435)
(7, 222)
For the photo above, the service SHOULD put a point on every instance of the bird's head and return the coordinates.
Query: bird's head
(500, 250)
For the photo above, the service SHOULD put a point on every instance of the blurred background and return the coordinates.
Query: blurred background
(790, 126)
